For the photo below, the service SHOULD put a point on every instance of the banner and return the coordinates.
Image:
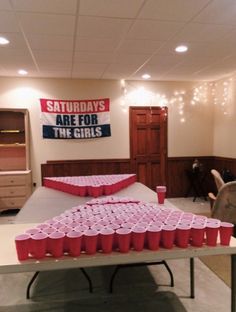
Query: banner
(82, 119)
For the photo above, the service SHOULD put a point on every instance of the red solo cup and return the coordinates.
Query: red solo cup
(138, 238)
(42, 226)
(161, 194)
(107, 189)
(226, 231)
(74, 243)
(96, 190)
(182, 235)
(39, 245)
(56, 242)
(197, 234)
(91, 239)
(33, 231)
(153, 237)
(48, 231)
(168, 236)
(82, 190)
(123, 239)
(212, 233)
(106, 239)
(22, 243)
(65, 229)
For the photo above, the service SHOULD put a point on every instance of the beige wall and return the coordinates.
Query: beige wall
(224, 118)
(190, 125)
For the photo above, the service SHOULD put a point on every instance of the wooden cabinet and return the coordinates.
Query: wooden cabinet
(14, 139)
(15, 174)
(15, 188)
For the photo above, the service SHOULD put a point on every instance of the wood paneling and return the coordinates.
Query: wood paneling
(221, 163)
(177, 180)
(61, 168)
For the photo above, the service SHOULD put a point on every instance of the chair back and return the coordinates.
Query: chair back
(218, 179)
(224, 207)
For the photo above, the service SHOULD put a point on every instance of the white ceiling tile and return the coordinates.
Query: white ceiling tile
(8, 22)
(134, 59)
(115, 70)
(54, 74)
(5, 5)
(89, 68)
(94, 44)
(13, 55)
(118, 39)
(49, 42)
(46, 6)
(99, 27)
(177, 10)
(93, 57)
(110, 8)
(51, 56)
(139, 46)
(55, 66)
(196, 32)
(219, 12)
(153, 30)
(47, 24)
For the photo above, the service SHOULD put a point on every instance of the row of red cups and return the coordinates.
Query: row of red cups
(123, 239)
(90, 187)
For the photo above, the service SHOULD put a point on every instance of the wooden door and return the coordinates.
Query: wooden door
(148, 144)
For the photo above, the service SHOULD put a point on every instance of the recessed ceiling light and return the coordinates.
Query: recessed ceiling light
(4, 41)
(181, 49)
(146, 76)
(22, 72)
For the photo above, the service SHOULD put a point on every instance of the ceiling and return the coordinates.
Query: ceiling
(115, 39)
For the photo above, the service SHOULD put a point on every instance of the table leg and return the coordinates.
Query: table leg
(192, 288)
(233, 283)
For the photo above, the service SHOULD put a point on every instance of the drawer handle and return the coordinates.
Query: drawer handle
(12, 203)
(12, 192)
(12, 181)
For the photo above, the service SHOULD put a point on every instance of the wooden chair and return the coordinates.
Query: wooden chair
(218, 179)
(224, 207)
(219, 183)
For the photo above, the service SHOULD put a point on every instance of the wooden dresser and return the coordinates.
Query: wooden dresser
(15, 188)
(15, 173)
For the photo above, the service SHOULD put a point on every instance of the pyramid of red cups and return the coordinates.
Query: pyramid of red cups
(95, 185)
(119, 224)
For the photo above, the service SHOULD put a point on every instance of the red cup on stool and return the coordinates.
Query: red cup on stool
(161, 194)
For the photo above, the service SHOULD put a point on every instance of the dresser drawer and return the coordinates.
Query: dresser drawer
(11, 203)
(13, 191)
(8, 180)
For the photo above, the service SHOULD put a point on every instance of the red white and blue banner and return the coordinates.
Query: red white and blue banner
(79, 119)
